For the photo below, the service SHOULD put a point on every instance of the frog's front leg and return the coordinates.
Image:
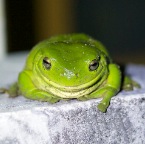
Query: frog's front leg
(28, 89)
(109, 89)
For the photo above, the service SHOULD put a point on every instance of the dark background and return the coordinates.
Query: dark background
(119, 25)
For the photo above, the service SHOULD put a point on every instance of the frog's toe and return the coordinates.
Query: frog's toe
(128, 87)
(83, 98)
(54, 100)
(102, 107)
(130, 84)
(135, 84)
(3, 90)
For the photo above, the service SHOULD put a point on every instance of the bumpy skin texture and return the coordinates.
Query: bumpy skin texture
(66, 67)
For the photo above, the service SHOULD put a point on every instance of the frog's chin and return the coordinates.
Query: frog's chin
(72, 91)
(76, 91)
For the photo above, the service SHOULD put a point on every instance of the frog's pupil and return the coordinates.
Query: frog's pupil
(46, 63)
(93, 65)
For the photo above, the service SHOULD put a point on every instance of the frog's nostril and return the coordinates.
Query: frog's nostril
(77, 75)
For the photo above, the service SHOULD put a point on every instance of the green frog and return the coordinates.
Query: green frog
(67, 67)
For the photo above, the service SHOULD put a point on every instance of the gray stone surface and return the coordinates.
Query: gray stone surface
(24, 121)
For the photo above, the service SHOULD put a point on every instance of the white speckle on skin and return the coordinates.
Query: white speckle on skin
(68, 73)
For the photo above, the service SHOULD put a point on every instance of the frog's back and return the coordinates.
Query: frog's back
(69, 38)
(79, 37)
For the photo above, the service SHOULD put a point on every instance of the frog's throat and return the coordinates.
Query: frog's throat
(73, 91)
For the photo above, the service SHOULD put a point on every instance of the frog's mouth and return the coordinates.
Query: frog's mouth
(72, 91)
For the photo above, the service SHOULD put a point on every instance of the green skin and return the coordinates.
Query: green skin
(67, 67)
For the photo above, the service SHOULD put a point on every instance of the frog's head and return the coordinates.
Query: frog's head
(67, 65)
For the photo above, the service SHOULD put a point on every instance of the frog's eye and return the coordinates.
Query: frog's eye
(46, 63)
(93, 65)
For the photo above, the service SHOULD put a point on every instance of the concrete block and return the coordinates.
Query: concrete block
(24, 121)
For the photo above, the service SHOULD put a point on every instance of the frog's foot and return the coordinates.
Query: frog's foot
(3, 90)
(103, 105)
(40, 95)
(43, 98)
(129, 84)
(12, 91)
(83, 98)
(106, 93)
(54, 99)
